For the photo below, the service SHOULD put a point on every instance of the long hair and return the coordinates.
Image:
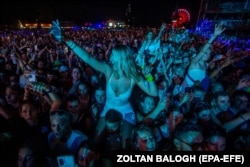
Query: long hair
(127, 61)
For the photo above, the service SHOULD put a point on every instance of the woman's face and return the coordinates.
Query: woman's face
(148, 105)
(76, 74)
(100, 96)
(29, 113)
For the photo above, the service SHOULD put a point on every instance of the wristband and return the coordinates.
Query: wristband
(72, 45)
(149, 77)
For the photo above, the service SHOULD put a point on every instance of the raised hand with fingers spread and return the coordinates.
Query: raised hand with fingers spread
(56, 31)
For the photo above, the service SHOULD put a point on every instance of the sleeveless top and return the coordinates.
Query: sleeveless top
(196, 74)
(120, 103)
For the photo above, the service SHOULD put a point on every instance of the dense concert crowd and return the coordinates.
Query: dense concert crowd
(84, 94)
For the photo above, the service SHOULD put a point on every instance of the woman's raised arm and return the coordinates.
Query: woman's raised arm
(79, 51)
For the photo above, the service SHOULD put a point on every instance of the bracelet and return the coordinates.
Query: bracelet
(72, 45)
(242, 117)
(149, 78)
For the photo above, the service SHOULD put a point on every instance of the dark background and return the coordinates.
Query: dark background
(144, 12)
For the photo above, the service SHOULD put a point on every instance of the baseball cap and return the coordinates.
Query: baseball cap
(63, 68)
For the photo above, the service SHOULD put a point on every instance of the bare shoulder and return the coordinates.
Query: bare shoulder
(108, 71)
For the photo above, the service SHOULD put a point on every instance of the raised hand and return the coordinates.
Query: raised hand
(243, 82)
(163, 26)
(140, 60)
(218, 29)
(39, 87)
(229, 60)
(187, 97)
(56, 31)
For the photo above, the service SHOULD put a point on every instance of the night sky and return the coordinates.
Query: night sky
(144, 12)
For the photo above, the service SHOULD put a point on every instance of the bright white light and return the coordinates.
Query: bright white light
(110, 24)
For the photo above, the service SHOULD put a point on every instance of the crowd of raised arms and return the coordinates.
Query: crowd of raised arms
(88, 93)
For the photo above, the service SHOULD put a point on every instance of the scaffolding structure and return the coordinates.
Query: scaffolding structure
(233, 14)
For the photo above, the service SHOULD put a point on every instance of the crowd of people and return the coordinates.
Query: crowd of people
(77, 96)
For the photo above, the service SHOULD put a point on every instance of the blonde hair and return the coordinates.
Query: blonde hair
(126, 61)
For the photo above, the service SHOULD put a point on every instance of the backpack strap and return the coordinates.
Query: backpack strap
(204, 82)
